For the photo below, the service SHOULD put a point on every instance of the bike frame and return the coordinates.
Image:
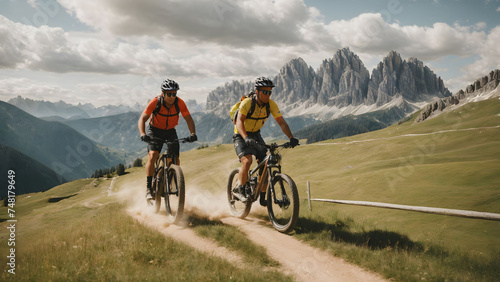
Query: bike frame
(165, 156)
(270, 167)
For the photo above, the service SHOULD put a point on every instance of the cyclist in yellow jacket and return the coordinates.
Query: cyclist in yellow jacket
(247, 137)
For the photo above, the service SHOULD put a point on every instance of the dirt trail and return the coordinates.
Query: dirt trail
(300, 260)
(186, 235)
(138, 209)
(304, 262)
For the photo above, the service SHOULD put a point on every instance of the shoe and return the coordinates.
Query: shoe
(262, 199)
(239, 193)
(248, 189)
(239, 190)
(149, 197)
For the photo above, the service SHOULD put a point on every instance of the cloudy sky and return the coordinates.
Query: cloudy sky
(119, 51)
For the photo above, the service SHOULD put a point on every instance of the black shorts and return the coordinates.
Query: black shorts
(242, 149)
(167, 135)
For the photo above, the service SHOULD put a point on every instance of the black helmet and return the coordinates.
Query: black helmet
(169, 85)
(263, 82)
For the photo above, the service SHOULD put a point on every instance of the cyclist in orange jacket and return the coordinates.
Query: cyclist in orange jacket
(163, 114)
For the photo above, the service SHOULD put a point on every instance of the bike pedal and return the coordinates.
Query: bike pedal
(240, 197)
(150, 202)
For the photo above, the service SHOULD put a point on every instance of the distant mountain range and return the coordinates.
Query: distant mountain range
(58, 146)
(339, 99)
(342, 86)
(480, 89)
(116, 131)
(61, 109)
(30, 174)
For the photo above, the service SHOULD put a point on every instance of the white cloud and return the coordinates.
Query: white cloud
(29, 88)
(97, 94)
(369, 33)
(221, 40)
(237, 23)
(498, 9)
(235, 43)
(52, 49)
(490, 60)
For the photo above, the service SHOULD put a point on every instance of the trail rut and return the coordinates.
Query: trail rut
(303, 262)
(187, 236)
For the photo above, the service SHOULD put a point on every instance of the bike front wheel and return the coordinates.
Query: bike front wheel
(237, 207)
(174, 194)
(158, 187)
(283, 207)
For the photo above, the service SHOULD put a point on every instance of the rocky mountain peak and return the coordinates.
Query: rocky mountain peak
(339, 82)
(482, 88)
(412, 80)
(393, 61)
(220, 100)
(293, 82)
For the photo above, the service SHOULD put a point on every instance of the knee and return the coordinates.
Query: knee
(153, 155)
(246, 161)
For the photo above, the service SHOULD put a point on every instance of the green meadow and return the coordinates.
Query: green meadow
(77, 232)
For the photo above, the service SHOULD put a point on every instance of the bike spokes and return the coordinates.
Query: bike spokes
(157, 188)
(237, 207)
(174, 194)
(284, 201)
(283, 205)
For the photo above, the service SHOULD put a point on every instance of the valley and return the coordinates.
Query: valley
(447, 161)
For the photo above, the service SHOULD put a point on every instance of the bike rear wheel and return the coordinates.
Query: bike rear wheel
(283, 212)
(237, 207)
(174, 197)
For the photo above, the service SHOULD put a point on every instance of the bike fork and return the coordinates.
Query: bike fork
(284, 202)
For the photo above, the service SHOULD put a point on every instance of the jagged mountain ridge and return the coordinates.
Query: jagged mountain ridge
(341, 82)
(481, 89)
(54, 110)
(66, 110)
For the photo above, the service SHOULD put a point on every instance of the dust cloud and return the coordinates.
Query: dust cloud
(198, 202)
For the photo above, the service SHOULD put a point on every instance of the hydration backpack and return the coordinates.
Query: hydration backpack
(159, 103)
(233, 113)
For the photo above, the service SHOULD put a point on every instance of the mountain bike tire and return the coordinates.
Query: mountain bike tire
(238, 208)
(174, 201)
(285, 212)
(158, 187)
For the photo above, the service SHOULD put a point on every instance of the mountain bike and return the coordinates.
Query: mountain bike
(281, 192)
(168, 183)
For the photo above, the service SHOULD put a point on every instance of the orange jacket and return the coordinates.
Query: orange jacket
(167, 118)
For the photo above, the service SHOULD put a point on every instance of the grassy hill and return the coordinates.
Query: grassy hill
(351, 125)
(450, 161)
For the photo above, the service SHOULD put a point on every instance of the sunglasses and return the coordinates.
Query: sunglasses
(170, 94)
(266, 92)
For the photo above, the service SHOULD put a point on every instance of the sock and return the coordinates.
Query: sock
(148, 181)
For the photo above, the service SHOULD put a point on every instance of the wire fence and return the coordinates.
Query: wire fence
(451, 212)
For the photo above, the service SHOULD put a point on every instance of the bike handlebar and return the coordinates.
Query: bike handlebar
(180, 140)
(275, 145)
